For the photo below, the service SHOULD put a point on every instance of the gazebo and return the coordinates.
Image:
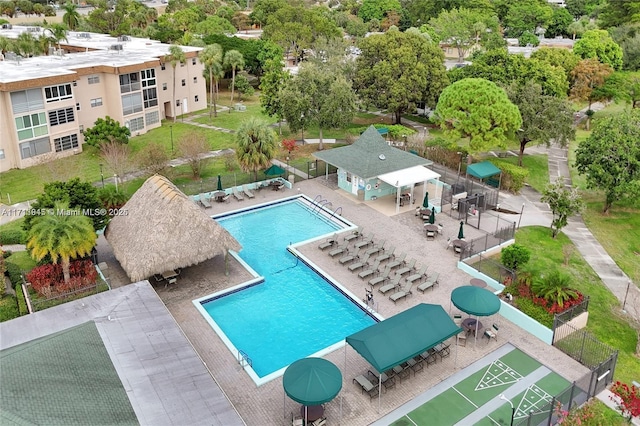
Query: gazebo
(164, 230)
(370, 168)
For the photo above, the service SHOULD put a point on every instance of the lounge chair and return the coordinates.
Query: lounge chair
(247, 191)
(373, 282)
(204, 201)
(350, 257)
(404, 292)
(386, 255)
(357, 233)
(237, 194)
(430, 283)
(366, 386)
(341, 249)
(388, 381)
(376, 247)
(359, 264)
(329, 242)
(491, 333)
(408, 268)
(366, 273)
(320, 422)
(422, 273)
(397, 261)
(366, 241)
(392, 284)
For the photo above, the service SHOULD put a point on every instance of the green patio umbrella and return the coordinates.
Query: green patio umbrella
(475, 301)
(432, 216)
(461, 231)
(312, 381)
(425, 202)
(274, 170)
(219, 188)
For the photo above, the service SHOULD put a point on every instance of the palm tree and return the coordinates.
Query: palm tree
(257, 144)
(176, 54)
(234, 60)
(58, 33)
(6, 44)
(25, 45)
(211, 57)
(554, 287)
(64, 235)
(71, 17)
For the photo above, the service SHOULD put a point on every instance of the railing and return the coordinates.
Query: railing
(573, 311)
(336, 212)
(243, 359)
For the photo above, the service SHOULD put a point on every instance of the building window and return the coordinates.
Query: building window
(164, 86)
(196, 98)
(195, 79)
(61, 116)
(178, 102)
(1, 154)
(136, 124)
(77, 106)
(162, 67)
(31, 126)
(129, 82)
(193, 61)
(148, 77)
(96, 102)
(94, 79)
(66, 143)
(150, 97)
(184, 82)
(58, 93)
(35, 147)
(152, 117)
(131, 103)
(27, 100)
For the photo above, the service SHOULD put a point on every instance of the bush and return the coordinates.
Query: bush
(396, 131)
(515, 256)
(48, 280)
(513, 177)
(8, 308)
(13, 272)
(12, 236)
(536, 312)
(6, 254)
(22, 303)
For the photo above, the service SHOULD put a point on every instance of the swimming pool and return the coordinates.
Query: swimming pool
(294, 312)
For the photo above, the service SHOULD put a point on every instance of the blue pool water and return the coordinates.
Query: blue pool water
(295, 312)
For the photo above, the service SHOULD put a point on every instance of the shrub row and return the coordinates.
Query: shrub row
(8, 307)
(48, 280)
(396, 131)
(22, 303)
(13, 236)
(513, 176)
(13, 272)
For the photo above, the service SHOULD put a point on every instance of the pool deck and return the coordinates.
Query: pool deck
(267, 405)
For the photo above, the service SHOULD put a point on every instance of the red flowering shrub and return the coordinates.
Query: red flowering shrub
(48, 280)
(628, 399)
(289, 145)
(523, 289)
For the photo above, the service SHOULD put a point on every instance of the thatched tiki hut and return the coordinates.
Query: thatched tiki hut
(164, 230)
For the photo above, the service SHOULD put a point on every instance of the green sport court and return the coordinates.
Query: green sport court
(471, 396)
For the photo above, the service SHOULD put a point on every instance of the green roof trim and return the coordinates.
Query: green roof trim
(483, 170)
(403, 336)
(370, 156)
(66, 378)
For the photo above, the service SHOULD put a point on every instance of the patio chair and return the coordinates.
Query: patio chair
(373, 282)
(366, 386)
(443, 350)
(457, 318)
(329, 242)
(237, 194)
(366, 273)
(350, 257)
(386, 255)
(376, 247)
(296, 420)
(491, 333)
(415, 364)
(404, 292)
(397, 261)
(408, 268)
(366, 241)
(357, 233)
(387, 381)
(341, 249)
(204, 201)
(422, 273)
(320, 422)
(429, 357)
(247, 191)
(430, 282)
(359, 264)
(461, 339)
(392, 284)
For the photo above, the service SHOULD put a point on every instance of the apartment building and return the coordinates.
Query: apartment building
(47, 101)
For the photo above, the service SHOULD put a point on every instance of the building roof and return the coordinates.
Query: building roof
(163, 229)
(371, 156)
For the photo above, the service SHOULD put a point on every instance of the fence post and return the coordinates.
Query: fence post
(584, 337)
(553, 330)
(553, 404)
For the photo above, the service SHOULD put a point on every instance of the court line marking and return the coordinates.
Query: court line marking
(407, 416)
(491, 418)
(464, 396)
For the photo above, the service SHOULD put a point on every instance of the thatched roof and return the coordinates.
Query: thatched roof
(163, 230)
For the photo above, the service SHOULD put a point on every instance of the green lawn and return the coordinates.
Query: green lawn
(235, 119)
(538, 167)
(22, 260)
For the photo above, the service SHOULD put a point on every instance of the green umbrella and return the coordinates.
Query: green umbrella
(274, 170)
(432, 216)
(425, 202)
(475, 301)
(461, 231)
(219, 183)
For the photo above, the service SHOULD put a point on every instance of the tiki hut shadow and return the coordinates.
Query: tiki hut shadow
(162, 229)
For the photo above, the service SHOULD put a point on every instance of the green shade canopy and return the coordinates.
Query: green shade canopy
(274, 170)
(461, 231)
(475, 301)
(403, 336)
(219, 188)
(312, 381)
(483, 170)
(432, 216)
(425, 202)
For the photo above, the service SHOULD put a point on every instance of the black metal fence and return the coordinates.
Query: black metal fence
(572, 312)
(490, 240)
(579, 344)
(493, 269)
(317, 168)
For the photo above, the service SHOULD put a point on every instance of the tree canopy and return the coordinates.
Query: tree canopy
(256, 145)
(587, 77)
(598, 44)
(477, 109)
(564, 202)
(377, 9)
(610, 157)
(106, 130)
(395, 70)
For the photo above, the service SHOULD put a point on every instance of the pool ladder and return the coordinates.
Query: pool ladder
(243, 359)
(320, 202)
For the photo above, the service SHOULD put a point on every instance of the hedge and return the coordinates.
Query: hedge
(513, 176)
(12, 236)
(8, 307)
(13, 272)
(22, 303)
